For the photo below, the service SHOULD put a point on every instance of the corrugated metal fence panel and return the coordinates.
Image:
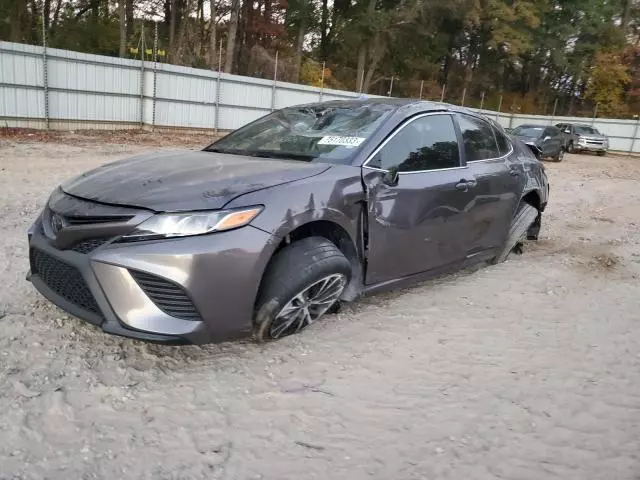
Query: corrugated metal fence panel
(21, 81)
(236, 90)
(94, 89)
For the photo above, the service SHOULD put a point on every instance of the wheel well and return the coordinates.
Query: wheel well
(533, 199)
(340, 238)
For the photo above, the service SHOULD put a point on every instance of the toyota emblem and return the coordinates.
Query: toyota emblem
(56, 223)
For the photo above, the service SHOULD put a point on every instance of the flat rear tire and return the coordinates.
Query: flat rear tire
(524, 218)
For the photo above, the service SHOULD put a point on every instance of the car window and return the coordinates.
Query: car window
(503, 142)
(427, 143)
(327, 132)
(478, 138)
(584, 130)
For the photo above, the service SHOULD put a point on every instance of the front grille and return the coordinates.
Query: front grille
(168, 296)
(88, 246)
(89, 220)
(65, 280)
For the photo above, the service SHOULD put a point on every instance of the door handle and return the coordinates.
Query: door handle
(465, 185)
(514, 172)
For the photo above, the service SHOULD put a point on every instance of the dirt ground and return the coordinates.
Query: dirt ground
(525, 370)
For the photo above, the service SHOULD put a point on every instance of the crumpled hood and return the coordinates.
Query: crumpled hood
(185, 180)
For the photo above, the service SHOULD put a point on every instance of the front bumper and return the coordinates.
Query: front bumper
(220, 274)
(586, 147)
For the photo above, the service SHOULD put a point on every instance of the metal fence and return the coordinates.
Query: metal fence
(42, 87)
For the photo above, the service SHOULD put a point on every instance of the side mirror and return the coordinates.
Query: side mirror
(567, 131)
(546, 138)
(391, 177)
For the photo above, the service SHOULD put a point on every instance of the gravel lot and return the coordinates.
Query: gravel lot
(525, 370)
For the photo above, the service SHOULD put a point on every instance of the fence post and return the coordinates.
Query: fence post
(322, 81)
(635, 134)
(218, 83)
(481, 100)
(273, 89)
(421, 87)
(511, 120)
(499, 108)
(155, 76)
(142, 47)
(45, 72)
(390, 87)
(464, 94)
(595, 112)
(444, 87)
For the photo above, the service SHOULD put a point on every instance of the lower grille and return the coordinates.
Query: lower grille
(168, 296)
(87, 246)
(65, 280)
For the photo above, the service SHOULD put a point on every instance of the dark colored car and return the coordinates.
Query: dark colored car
(548, 140)
(268, 228)
(583, 138)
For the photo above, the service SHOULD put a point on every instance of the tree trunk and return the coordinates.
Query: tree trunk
(324, 19)
(362, 57)
(201, 40)
(46, 13)
(297, 63)
(123, 28)
(231, 37)
(213, 37)
(129, 17)
(172, 29)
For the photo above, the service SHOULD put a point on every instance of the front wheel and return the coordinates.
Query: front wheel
(302, 283)
(602, 153)
(520, 224)
(571, 148)
(560, 156)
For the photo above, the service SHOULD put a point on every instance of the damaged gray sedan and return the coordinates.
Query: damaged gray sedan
(269, 228)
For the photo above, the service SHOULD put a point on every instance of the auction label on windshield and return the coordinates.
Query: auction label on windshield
(343, 141)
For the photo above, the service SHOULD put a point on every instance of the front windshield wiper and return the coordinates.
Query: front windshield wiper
(307, 157)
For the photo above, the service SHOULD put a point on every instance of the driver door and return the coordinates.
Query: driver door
(417, 192)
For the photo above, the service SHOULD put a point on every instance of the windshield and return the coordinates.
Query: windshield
(586, 130)
(327, 132)
(528, 131)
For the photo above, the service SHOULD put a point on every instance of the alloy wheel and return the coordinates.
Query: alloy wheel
(308, 305)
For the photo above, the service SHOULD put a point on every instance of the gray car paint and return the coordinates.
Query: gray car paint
(182, 181)
(397, 234)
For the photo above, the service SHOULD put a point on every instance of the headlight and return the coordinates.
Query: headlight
(169, 225)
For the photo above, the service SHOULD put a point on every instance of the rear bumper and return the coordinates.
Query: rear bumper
(219, 273)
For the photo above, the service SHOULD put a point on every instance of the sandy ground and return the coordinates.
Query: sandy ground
(526, 370)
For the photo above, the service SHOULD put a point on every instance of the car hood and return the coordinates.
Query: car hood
(526, 139)
(185, 180)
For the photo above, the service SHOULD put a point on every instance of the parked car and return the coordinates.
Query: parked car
(547, 139)
(583, 138)
(265, 230)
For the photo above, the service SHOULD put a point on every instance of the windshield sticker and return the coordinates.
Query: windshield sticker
(344, 141)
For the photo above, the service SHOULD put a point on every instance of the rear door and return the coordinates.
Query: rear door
(418, 193)
(488, 155)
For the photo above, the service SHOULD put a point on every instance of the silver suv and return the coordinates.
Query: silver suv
(581, 138)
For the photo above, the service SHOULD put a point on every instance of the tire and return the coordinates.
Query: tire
(601, 153)
(571, 148)
(523, 219)
(291, 295)
(560, 156)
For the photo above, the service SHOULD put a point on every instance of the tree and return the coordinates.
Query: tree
(609, 79)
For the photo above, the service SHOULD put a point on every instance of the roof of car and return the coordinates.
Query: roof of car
(396, 102)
